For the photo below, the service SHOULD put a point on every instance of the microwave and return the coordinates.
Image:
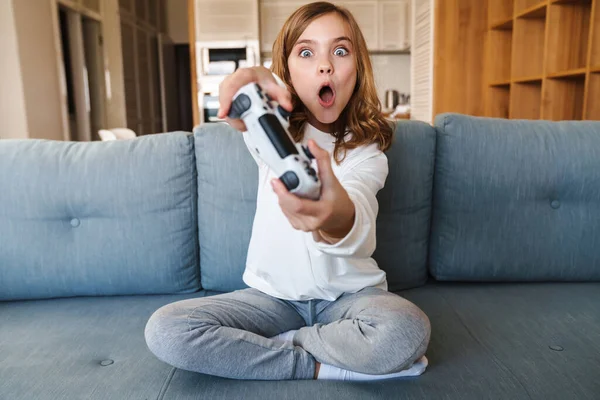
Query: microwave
(224, 58)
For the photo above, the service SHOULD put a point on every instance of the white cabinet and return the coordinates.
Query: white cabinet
(273, 15)
(385, 24)
(366, 15)
(394, 25)
(222, 20)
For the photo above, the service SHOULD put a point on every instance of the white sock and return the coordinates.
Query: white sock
(285, 336)
(329, 372)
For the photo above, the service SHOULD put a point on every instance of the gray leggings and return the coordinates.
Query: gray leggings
(373, 332)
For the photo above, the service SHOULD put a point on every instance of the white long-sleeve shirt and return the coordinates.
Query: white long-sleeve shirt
(289, 264)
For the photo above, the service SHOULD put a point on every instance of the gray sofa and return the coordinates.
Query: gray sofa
(492, 227)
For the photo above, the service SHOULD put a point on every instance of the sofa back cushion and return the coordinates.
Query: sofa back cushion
(227, 188)
(100, 218)
(404, 218)
(516, 200)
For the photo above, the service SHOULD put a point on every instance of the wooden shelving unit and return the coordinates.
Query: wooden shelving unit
(525, 100)
(500, 11)
(592, 110)
(498, 101)
(522, 5)
(543, 59)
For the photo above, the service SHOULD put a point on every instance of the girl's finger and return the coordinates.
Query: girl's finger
(294, 203)
(271, 87)
(237, 124)
(324, 163)
(230, 85)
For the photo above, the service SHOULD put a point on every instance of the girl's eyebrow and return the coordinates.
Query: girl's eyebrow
(342, 38)
(338, 39)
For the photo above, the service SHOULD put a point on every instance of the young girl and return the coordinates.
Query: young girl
(318, 305)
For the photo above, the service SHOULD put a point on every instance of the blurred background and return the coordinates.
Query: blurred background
(87, 70)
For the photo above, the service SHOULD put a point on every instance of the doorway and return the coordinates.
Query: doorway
(83, 61)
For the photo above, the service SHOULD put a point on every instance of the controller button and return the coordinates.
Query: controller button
(290, 180)
(283, 112)
(240, 105)
(277, 135)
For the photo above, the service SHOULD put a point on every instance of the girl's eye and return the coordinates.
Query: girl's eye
(305, 53)
(340, 51)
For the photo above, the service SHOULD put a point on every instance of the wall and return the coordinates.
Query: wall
(392, 71)
(423, 30)
(177, 21)
(32, 95)
(13, 119)
(39, 66)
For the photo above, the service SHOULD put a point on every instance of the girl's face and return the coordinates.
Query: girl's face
(322, 69)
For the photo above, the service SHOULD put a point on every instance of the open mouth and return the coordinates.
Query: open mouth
(326, 96)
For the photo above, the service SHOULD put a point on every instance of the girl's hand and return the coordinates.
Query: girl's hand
(234, 82)
(332, 216)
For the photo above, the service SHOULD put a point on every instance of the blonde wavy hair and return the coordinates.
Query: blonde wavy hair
(362, 115)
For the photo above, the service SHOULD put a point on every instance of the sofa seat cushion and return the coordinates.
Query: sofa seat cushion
(538, 341)
(80, 348)
(512, 341)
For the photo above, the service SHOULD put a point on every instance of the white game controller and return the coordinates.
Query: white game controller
(267, 124)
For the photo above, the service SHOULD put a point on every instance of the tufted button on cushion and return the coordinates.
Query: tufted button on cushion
(138, 199)
(499, 186)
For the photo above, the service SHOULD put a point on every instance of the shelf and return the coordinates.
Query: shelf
(498, 102)
(389, 52)
(593, 102)
(506, 24)
(528, 47)
(499, 55)
(540, 58)
(568, 36)
(536, 11)
(499, 10)
(569, 73)
(595, 22)
(570, 1)
(525, 100)
(522, 5)
(563, 98)
(529, 79)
